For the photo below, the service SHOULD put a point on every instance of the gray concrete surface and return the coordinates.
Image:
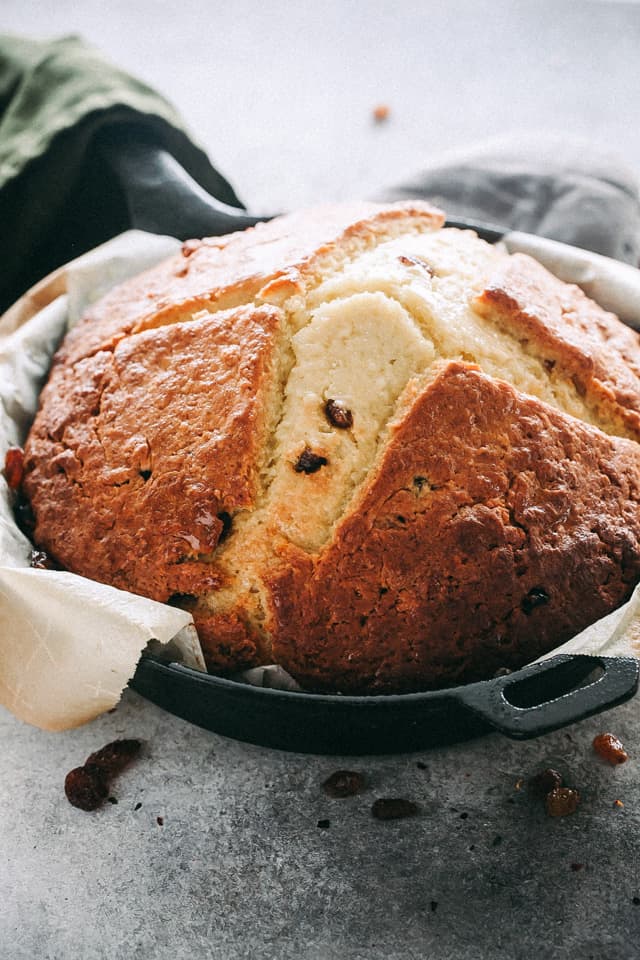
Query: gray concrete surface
(240, 868)
(281, 96)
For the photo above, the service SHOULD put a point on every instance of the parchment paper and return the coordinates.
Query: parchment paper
(68, 646)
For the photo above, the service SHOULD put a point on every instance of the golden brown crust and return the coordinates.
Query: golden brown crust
(139, 457)
(487, 528)
(572, 333)
(221, 272)
(228, 643)
(493, 529)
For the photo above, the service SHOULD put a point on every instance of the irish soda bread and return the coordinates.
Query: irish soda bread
(386, 455)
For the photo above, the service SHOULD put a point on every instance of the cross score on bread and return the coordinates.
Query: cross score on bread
(383, 454)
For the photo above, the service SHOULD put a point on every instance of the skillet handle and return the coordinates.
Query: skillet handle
(159, 194)
(544, 697)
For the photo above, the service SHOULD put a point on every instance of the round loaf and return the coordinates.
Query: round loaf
(377, 451)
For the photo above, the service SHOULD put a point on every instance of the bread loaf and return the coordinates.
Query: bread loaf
(379, 452)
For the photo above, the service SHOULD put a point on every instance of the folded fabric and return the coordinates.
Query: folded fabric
(562, 188)
(57, 197)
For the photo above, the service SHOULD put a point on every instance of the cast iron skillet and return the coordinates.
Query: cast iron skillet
(162, 198)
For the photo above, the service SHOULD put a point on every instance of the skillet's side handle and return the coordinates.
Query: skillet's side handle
(518, 707)
(159, 195)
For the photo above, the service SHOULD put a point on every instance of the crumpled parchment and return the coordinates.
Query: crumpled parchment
(68, 645)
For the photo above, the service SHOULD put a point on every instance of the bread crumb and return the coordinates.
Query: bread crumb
(562, 801)
(609, 747)
(381, 113)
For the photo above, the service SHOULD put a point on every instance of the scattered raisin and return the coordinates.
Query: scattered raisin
(393, 808)
(85, 788)
(536, 597)
(14, 467)
(309, 462)
(433, 905)
(113, 758)
(137, 806)
(635, 901)
(344, 783)
(145, 474)
(545, 781)
(497, 840)
(160, 821)
(607, 746)
(324, 824)
(421, 765)
(577, 866)
(464, 816)
(562, 801)
(338, 415)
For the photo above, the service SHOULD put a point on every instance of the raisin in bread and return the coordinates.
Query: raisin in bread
(379, 452)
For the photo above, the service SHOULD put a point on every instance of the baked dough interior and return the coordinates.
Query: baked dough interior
(383, 470)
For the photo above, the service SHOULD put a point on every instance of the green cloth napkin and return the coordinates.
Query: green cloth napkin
(57, 196)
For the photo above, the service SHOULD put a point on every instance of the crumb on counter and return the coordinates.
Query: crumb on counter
(610, 748)
(381, 113)
(562, 801)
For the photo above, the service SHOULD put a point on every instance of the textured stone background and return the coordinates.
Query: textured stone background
(281, 96)
(240, 868)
